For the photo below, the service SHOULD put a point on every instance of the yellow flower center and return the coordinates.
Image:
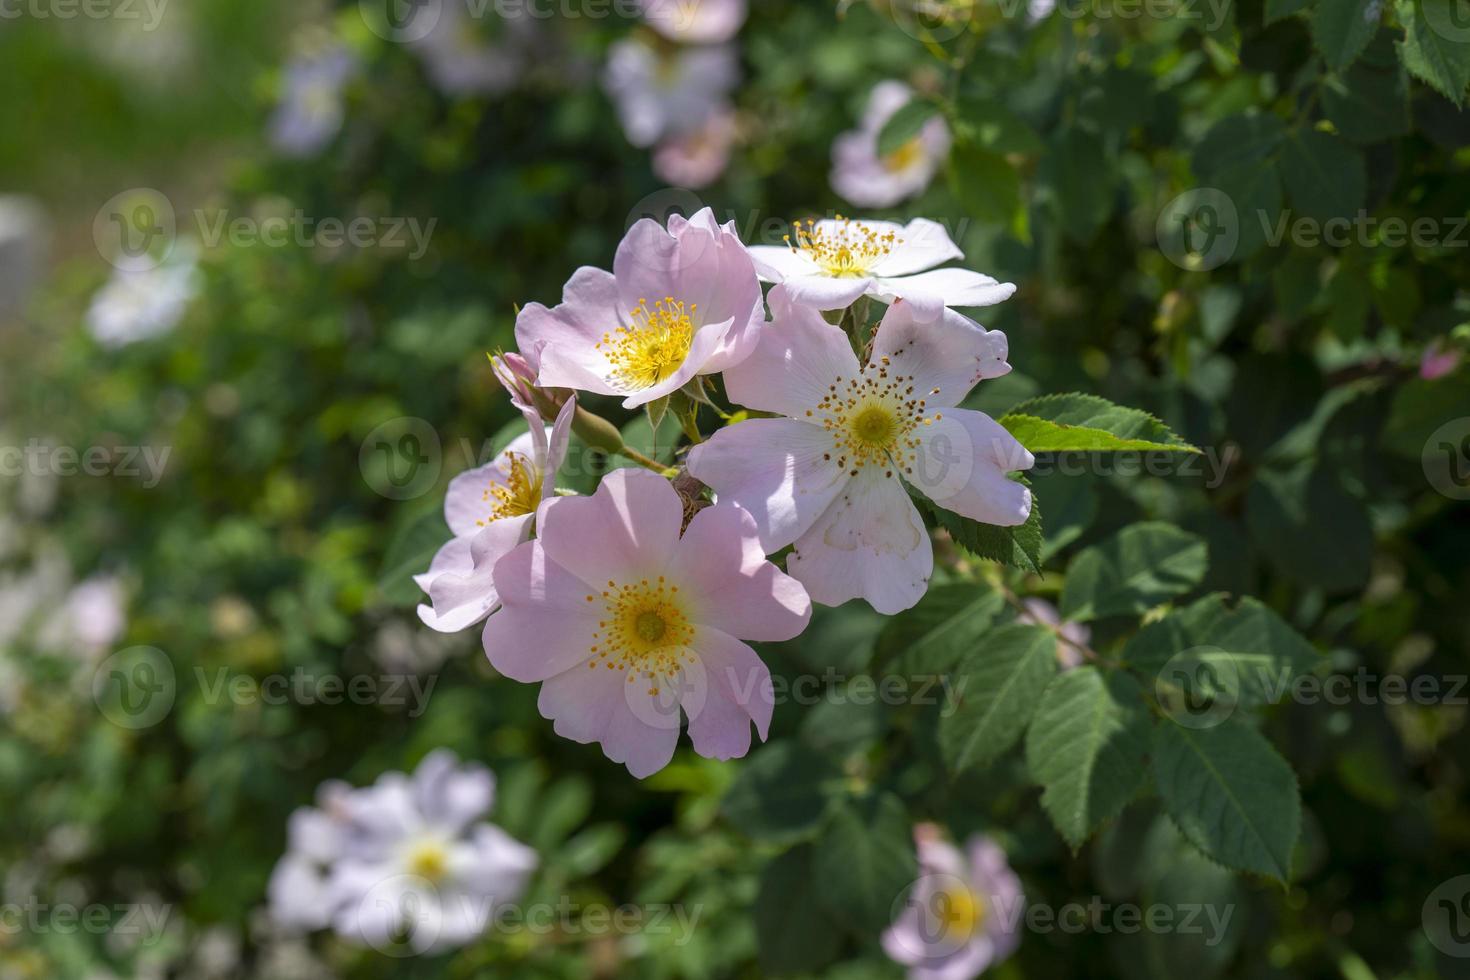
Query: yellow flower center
(429, 860)
(959, 912)
(875, 418)
(644, 632)
(652, 347)
(846, 251)
(520, 494)
(905, 156)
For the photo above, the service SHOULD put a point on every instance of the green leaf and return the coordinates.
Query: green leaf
(1235, 141)
(1080, 181)
(1247, 646)
(990, 124)
(1092, 412)
(1281, 9)
(1086, 747)
(1343, 28)
(793, 931)
(1044, 436)
(1430, 49)
(946, 624)
(409, 554)
(1325, 176)
(1368, 104)
(1137, 569)
(984, 182)
(782, 792)
(1018, 547)
(865, 861)
(1255, 190)
(1231, 795)
(904, 126)
(1002, 682)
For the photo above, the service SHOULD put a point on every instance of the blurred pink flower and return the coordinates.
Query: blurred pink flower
(1437, 361)
(678, 303)
(830, 476)
(963, 913)
(490, 510)
(695, 21)
(627, 624)
(833, 262)
(1071, 637)
(699, 157)
(662, 92)
(870, 180)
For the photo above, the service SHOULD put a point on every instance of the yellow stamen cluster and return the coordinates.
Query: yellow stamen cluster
(519, 494)
(960, 912)
(875, 418)
(652, 347)
(905, 156)
(847, 251)
(644, 633)
(429, 860)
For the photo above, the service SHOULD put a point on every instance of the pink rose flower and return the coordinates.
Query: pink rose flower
(666, 91)
(679, 302)
(869, 180)
(829, 264)
(963, 913)
(490, 510)
(829, 477)
(627, 624)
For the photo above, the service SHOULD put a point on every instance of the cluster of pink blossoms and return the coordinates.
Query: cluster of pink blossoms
(633, 606)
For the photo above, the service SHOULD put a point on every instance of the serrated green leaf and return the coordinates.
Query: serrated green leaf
(794, 934)
(1018, 547)
(1133, 571)
(1087, 748)
(1343, 28)
(1430, 49)
(782, 792)
(1002, 684)
(1045, 436)
(904, 126)
(1368, 104)
(1090, 411)
(1248, 646)
(1325, 176)
(1230, 794)
(865, 860)
(931, 637)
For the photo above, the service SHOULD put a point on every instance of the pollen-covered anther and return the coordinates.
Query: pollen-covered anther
(520, 494)
(652, 346)
(873, 421)
(644, 630)
(846, 251)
